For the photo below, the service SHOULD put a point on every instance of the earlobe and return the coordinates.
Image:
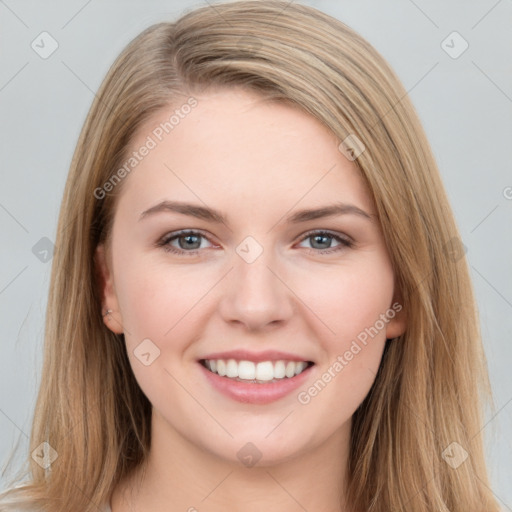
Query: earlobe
(105, 282)
(396, 327)
(397, 316)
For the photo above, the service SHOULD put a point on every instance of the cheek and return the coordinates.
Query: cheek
(153, 298)
(352, 305)
(352, 354)
(156, 305)
(349, 299)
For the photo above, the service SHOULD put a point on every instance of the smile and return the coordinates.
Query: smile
(254, 382)
(261, 372)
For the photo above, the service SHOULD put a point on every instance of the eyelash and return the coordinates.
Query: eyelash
(345, 242)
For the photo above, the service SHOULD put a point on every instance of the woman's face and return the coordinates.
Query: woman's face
(282, 281)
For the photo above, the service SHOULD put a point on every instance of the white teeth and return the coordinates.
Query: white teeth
(279, 370)
(221, 367)
(231, 368)
(246, 370)
(299, 367)
(290, 369)
(264, 371)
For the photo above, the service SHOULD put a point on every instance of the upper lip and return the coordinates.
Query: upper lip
(256, 357)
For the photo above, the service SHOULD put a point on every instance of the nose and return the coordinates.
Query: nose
(255, 295)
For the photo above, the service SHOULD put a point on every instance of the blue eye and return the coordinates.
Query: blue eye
(190, 242)
(323, 242)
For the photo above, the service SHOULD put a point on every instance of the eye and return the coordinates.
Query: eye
(190, 242)
(321, 242)
(185, 242)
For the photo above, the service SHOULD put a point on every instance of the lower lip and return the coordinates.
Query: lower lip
(253, 393)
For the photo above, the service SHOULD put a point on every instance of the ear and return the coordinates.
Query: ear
(398, 318)
(105, 283)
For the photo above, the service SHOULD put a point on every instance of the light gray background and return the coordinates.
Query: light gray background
(465, 105)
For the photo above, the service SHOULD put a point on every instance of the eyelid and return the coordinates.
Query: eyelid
(344, 240)
(164, 241)
(334, 234)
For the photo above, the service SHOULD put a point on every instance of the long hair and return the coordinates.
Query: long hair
(428, 395)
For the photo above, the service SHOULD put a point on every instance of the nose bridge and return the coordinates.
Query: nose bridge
(255, 296)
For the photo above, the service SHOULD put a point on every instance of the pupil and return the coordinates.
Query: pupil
(324, 238)
(189, 238)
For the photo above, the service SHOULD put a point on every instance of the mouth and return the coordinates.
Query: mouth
(254, 382)
(263, 372)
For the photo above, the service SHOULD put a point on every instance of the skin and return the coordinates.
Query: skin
(256, 162)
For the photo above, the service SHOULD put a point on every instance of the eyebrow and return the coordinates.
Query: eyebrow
(212, 215)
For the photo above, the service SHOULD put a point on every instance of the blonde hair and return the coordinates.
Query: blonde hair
(432, 382)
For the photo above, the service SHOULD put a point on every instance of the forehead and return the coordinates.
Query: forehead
(233, 144)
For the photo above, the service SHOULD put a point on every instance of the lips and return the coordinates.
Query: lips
(266, 355)
(257, 378)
